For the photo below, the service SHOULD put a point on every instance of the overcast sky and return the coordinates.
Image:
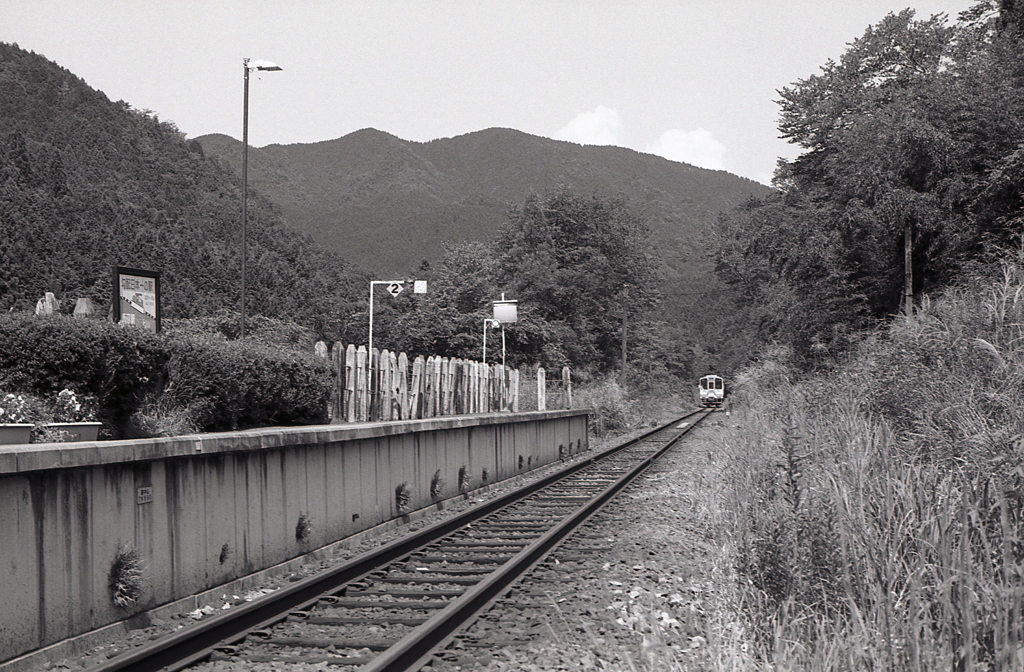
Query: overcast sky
(690, 80)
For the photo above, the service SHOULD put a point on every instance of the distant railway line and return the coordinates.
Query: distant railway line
(398, 606)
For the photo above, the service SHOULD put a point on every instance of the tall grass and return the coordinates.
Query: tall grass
(618, 409)
(873, 518)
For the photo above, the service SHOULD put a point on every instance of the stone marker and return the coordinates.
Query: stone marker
(320, 349)
(84, 308)
(48, 305)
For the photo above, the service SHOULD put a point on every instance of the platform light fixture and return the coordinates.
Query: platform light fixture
(506, 311)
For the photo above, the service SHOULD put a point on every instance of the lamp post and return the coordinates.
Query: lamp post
(255, 65)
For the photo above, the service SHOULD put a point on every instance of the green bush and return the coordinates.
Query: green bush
(117, 366)
(157, 385)
(227, 385)
(609, 405)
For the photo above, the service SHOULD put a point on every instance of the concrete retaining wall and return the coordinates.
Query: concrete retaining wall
(203, 510)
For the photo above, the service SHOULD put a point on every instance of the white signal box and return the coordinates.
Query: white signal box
(419, 287)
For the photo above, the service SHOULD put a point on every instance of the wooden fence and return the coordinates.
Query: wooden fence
(537, 392)
(431, 387)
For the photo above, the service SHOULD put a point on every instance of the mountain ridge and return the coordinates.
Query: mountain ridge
(388, 203)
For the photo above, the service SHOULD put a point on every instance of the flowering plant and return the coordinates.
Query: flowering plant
(68, 408)
(14, 409)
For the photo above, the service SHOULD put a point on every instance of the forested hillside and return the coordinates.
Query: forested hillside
(869, 488)
(87, 184)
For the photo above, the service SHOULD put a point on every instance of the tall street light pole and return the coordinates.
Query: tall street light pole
(256, 65)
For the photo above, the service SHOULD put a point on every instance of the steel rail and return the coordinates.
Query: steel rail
(191, 645)
(417, 648)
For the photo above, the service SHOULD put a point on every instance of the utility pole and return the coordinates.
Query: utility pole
(625, 302)
(908, 270)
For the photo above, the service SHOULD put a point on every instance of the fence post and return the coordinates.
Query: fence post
(336, 407)
(444, 389)
(494, 389)
(502, 377)
(416, 401)
(485, 388)
(351, 373)
(384, 390)
(429, 381)
(394, 411)
(542, 390)
(403, 387)
(449, 399)
(567, 386)
(476, 369)
(506, 390)
(515, 390)
(362, 383)
(373, 391)
(457, 378)
(437, 380)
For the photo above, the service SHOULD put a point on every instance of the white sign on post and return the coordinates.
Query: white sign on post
(419, 287)
(395, 289)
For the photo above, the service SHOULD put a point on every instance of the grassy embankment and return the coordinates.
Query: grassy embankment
(871, 519)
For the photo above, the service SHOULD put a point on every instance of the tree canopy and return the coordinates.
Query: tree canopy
(573, 263)
(914, 135)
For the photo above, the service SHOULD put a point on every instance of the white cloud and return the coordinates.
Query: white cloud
(698, 148)
(598, 127)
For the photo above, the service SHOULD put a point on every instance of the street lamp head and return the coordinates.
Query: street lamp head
(262, 65)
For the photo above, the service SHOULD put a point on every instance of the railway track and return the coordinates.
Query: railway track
(394, 607)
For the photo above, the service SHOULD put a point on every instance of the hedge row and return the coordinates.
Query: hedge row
(222, 385)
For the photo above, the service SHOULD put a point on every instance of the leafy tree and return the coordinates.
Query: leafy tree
(910, 168)
(571, 261)
(448, 320)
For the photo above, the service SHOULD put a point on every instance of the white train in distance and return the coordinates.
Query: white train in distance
(711, 391)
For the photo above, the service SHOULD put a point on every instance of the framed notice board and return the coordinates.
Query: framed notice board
(137, 298)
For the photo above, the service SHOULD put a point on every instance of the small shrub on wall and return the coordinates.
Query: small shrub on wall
(159, 385)
(228, 385)
(117, 366)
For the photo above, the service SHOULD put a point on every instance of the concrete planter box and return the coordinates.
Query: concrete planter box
(79, 431)
(15, 433)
